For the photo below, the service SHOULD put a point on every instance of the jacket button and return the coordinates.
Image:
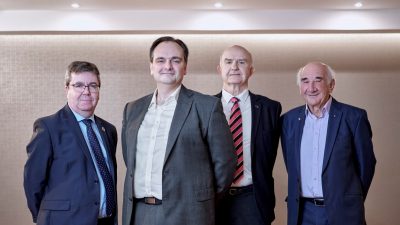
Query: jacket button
(130, 199)
(131, 175)
(96, 181)
(96, 203)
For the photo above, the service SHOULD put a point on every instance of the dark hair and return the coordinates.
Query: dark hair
(171, 39)
(80, 67)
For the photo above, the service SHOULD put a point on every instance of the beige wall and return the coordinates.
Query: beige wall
(31, 85)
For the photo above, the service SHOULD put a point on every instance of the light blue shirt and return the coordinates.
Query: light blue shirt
(79, 118)
(312, 152)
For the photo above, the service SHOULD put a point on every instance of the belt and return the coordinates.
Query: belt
(150, 200)
(315, 201)
(232, 191)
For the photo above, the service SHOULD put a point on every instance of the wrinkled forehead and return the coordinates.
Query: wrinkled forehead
(236, 53)
(314, 70)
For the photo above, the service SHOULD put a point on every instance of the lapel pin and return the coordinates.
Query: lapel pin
(103, 129)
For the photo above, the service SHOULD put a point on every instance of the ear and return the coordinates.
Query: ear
(252, 70)
(185, 70)
(219, 69)
(332, 85)
(151, 68)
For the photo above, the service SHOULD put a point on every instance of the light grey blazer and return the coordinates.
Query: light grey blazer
(199, 159)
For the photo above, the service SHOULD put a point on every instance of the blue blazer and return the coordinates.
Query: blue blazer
(348, 164)
(60, 179)
(265, 132)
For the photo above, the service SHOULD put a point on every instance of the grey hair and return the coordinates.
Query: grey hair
(329, 71)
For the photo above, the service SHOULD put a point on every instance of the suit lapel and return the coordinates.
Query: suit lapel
(300, 120)
(182, 110)
(137, 119)
(106, 142)
(73, 123)
(335, 116)
(255, 120)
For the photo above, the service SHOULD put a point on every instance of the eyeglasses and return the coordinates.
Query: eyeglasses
(80, 87)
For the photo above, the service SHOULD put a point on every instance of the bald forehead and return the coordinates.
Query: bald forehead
(315, 68)
(237, 52)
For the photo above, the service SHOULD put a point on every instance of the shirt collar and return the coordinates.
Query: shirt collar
(172, 97)
(243, 96)
(325, 109)
(79, 118)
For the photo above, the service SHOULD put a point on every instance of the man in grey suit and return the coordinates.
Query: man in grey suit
(177, 147)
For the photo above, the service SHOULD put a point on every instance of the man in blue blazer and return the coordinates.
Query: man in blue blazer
(63, 176)
(251, 198)
(328, 152)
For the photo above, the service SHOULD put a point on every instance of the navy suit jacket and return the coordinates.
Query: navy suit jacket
(265, 131)
(348, 164)
(60, 179)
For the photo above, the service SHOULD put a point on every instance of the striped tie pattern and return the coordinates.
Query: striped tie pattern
(235, 124)
(102, 166)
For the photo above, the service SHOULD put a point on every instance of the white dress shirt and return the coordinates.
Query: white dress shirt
(151, 146)
(245, 109)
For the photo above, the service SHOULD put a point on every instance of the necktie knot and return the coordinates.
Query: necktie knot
(234, 100)
(87, 122)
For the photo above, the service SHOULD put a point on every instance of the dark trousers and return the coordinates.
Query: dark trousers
(311, 214)
(106, 221)
(238, 209)
(148, 214)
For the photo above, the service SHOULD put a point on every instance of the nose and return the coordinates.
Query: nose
(234, 65)
(168, 64)
(313, 86)
(86, 91)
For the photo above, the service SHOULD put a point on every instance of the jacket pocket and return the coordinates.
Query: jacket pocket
(205, 194)
(56, 205)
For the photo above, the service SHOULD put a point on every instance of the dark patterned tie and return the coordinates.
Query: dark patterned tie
(102, 166)
(235, 124)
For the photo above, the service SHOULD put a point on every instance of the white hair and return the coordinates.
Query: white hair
(329, 71)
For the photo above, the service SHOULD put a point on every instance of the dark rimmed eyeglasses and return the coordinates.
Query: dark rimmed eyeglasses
(80, 87)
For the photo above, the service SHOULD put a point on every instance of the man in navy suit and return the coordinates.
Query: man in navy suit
(63, 176)
(250, 199)
(328, 152)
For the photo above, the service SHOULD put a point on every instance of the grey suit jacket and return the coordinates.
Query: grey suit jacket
(199, 160)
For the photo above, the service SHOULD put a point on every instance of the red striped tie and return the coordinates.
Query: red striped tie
(235, 124)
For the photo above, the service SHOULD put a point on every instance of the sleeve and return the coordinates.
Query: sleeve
(123, 135)
(364, 151)
(221, 147)
(282, 121)
(37, 166)
(275, 135)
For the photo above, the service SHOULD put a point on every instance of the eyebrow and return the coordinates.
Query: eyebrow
(315, 78)
(241, 59)
(173, 57)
